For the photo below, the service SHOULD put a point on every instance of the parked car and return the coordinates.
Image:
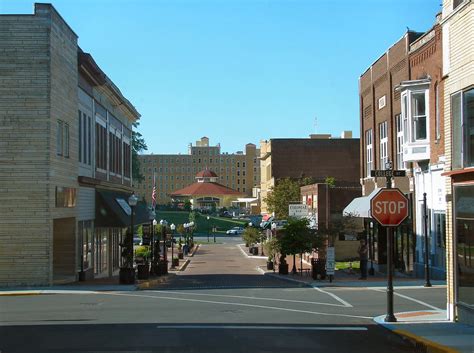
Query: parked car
(137, 240)
(280, 224)
(235, 231)
(225, 214)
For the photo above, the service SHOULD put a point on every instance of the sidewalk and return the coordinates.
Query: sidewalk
(98, 284)
(430, 332)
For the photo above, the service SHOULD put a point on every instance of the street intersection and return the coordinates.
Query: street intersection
(220, 303)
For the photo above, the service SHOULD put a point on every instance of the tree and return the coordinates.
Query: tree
(187, 206)
(272, 248)
(251, 235)
(331, 181)
(138, 145)
(297, 238)
(281, 195)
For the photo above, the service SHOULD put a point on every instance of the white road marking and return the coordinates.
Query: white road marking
(259, 327)
(340, 300)
(245, 297)
(408, 298)
(238, 304)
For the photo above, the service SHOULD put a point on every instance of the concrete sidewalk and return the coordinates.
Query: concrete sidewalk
(430, 332)
(98, 284)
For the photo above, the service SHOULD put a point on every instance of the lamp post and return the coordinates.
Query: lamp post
(208, 229)
(214, 232)
(151, 217)
(425, 231)
(191, 227)
(155, 250)
(173, 227)
(127, 273)
(163, 235)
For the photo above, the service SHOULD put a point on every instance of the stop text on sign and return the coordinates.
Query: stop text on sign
(389, 207)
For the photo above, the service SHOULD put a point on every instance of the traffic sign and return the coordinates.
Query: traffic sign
(389, 207)
(298, 210)
(330, 261)
(384, 173)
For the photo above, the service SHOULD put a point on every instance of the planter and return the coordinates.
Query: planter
(269, 265)
(127, 275)
(156, 269)
(255, 250)
(164, 267)
(180, 255)
(175, 262)
(143, 271)
(283, 269)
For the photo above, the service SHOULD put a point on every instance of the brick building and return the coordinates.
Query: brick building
(458, 69)
(239, 171)
(65, 136)
(401, 120)
(318, 157)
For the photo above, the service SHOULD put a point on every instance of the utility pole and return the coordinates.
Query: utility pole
(425, 231)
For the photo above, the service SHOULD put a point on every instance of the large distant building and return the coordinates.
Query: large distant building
(317, 157)
(239, 171)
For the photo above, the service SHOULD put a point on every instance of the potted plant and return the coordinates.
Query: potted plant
(142, 255)
(180, 250)
(270, 263)
(175, 261)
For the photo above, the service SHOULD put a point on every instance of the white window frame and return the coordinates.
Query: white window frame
(400, 141)
(383, 143)
(368, 151)
(410, 119)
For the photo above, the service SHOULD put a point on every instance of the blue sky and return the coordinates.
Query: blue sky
(238, 71)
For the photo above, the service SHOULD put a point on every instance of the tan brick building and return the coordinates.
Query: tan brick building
(239, 171)
(458, 70)
(65, 132)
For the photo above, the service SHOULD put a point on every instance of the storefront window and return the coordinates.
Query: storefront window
(464, 218)
(86, 235)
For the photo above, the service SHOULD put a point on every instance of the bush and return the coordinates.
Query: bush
(143, 252)
(251, 235)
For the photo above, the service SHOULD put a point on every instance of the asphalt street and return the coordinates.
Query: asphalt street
(220, 303)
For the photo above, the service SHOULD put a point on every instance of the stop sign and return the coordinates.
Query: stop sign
(389, 207)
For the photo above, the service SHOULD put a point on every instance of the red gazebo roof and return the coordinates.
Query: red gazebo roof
(205, 189)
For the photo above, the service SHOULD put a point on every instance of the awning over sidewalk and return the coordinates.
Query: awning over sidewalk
(112, 210)
(360, 206)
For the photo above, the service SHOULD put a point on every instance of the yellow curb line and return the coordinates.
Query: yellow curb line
(431, 347)
(195, 249)
(18, 294)
(184, 265)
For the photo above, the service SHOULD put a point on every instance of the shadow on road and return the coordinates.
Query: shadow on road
(191, 337)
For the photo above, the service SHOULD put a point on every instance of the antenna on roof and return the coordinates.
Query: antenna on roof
(315, 124)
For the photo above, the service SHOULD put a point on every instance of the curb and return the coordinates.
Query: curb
(196, 248)
(423, 344)
(17, 294)
(184, 265)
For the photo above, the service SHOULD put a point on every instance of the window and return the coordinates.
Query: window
(399, 122)
(438, 122)
(462, 111)
(80, 137)
(243, 164)
(418, 110)
(62, 139)
(65, 197)
(368, 149)
(100, 144)
(383, 145)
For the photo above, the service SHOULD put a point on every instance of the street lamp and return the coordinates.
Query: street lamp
(208, 229)
(151, 217)
(127, 273)
(173, 227)
(164, 270)
(155, 251)
(191, 227)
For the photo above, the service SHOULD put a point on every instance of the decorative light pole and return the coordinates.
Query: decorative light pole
(208, 229)
(173, 227)
(127, 273)
(191, 228)
(164, 269)
(152, 216)
(155, 252)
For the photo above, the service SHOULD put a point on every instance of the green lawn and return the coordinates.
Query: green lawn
(345, 265)
(181, 217)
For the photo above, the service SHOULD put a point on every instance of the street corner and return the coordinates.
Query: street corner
(413, 326)
(153, 282)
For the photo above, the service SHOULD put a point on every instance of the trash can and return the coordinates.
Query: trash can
(318, 268)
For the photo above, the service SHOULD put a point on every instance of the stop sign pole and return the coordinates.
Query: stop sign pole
(382, 212)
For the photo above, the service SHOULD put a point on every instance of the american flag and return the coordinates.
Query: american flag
(153, 194)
